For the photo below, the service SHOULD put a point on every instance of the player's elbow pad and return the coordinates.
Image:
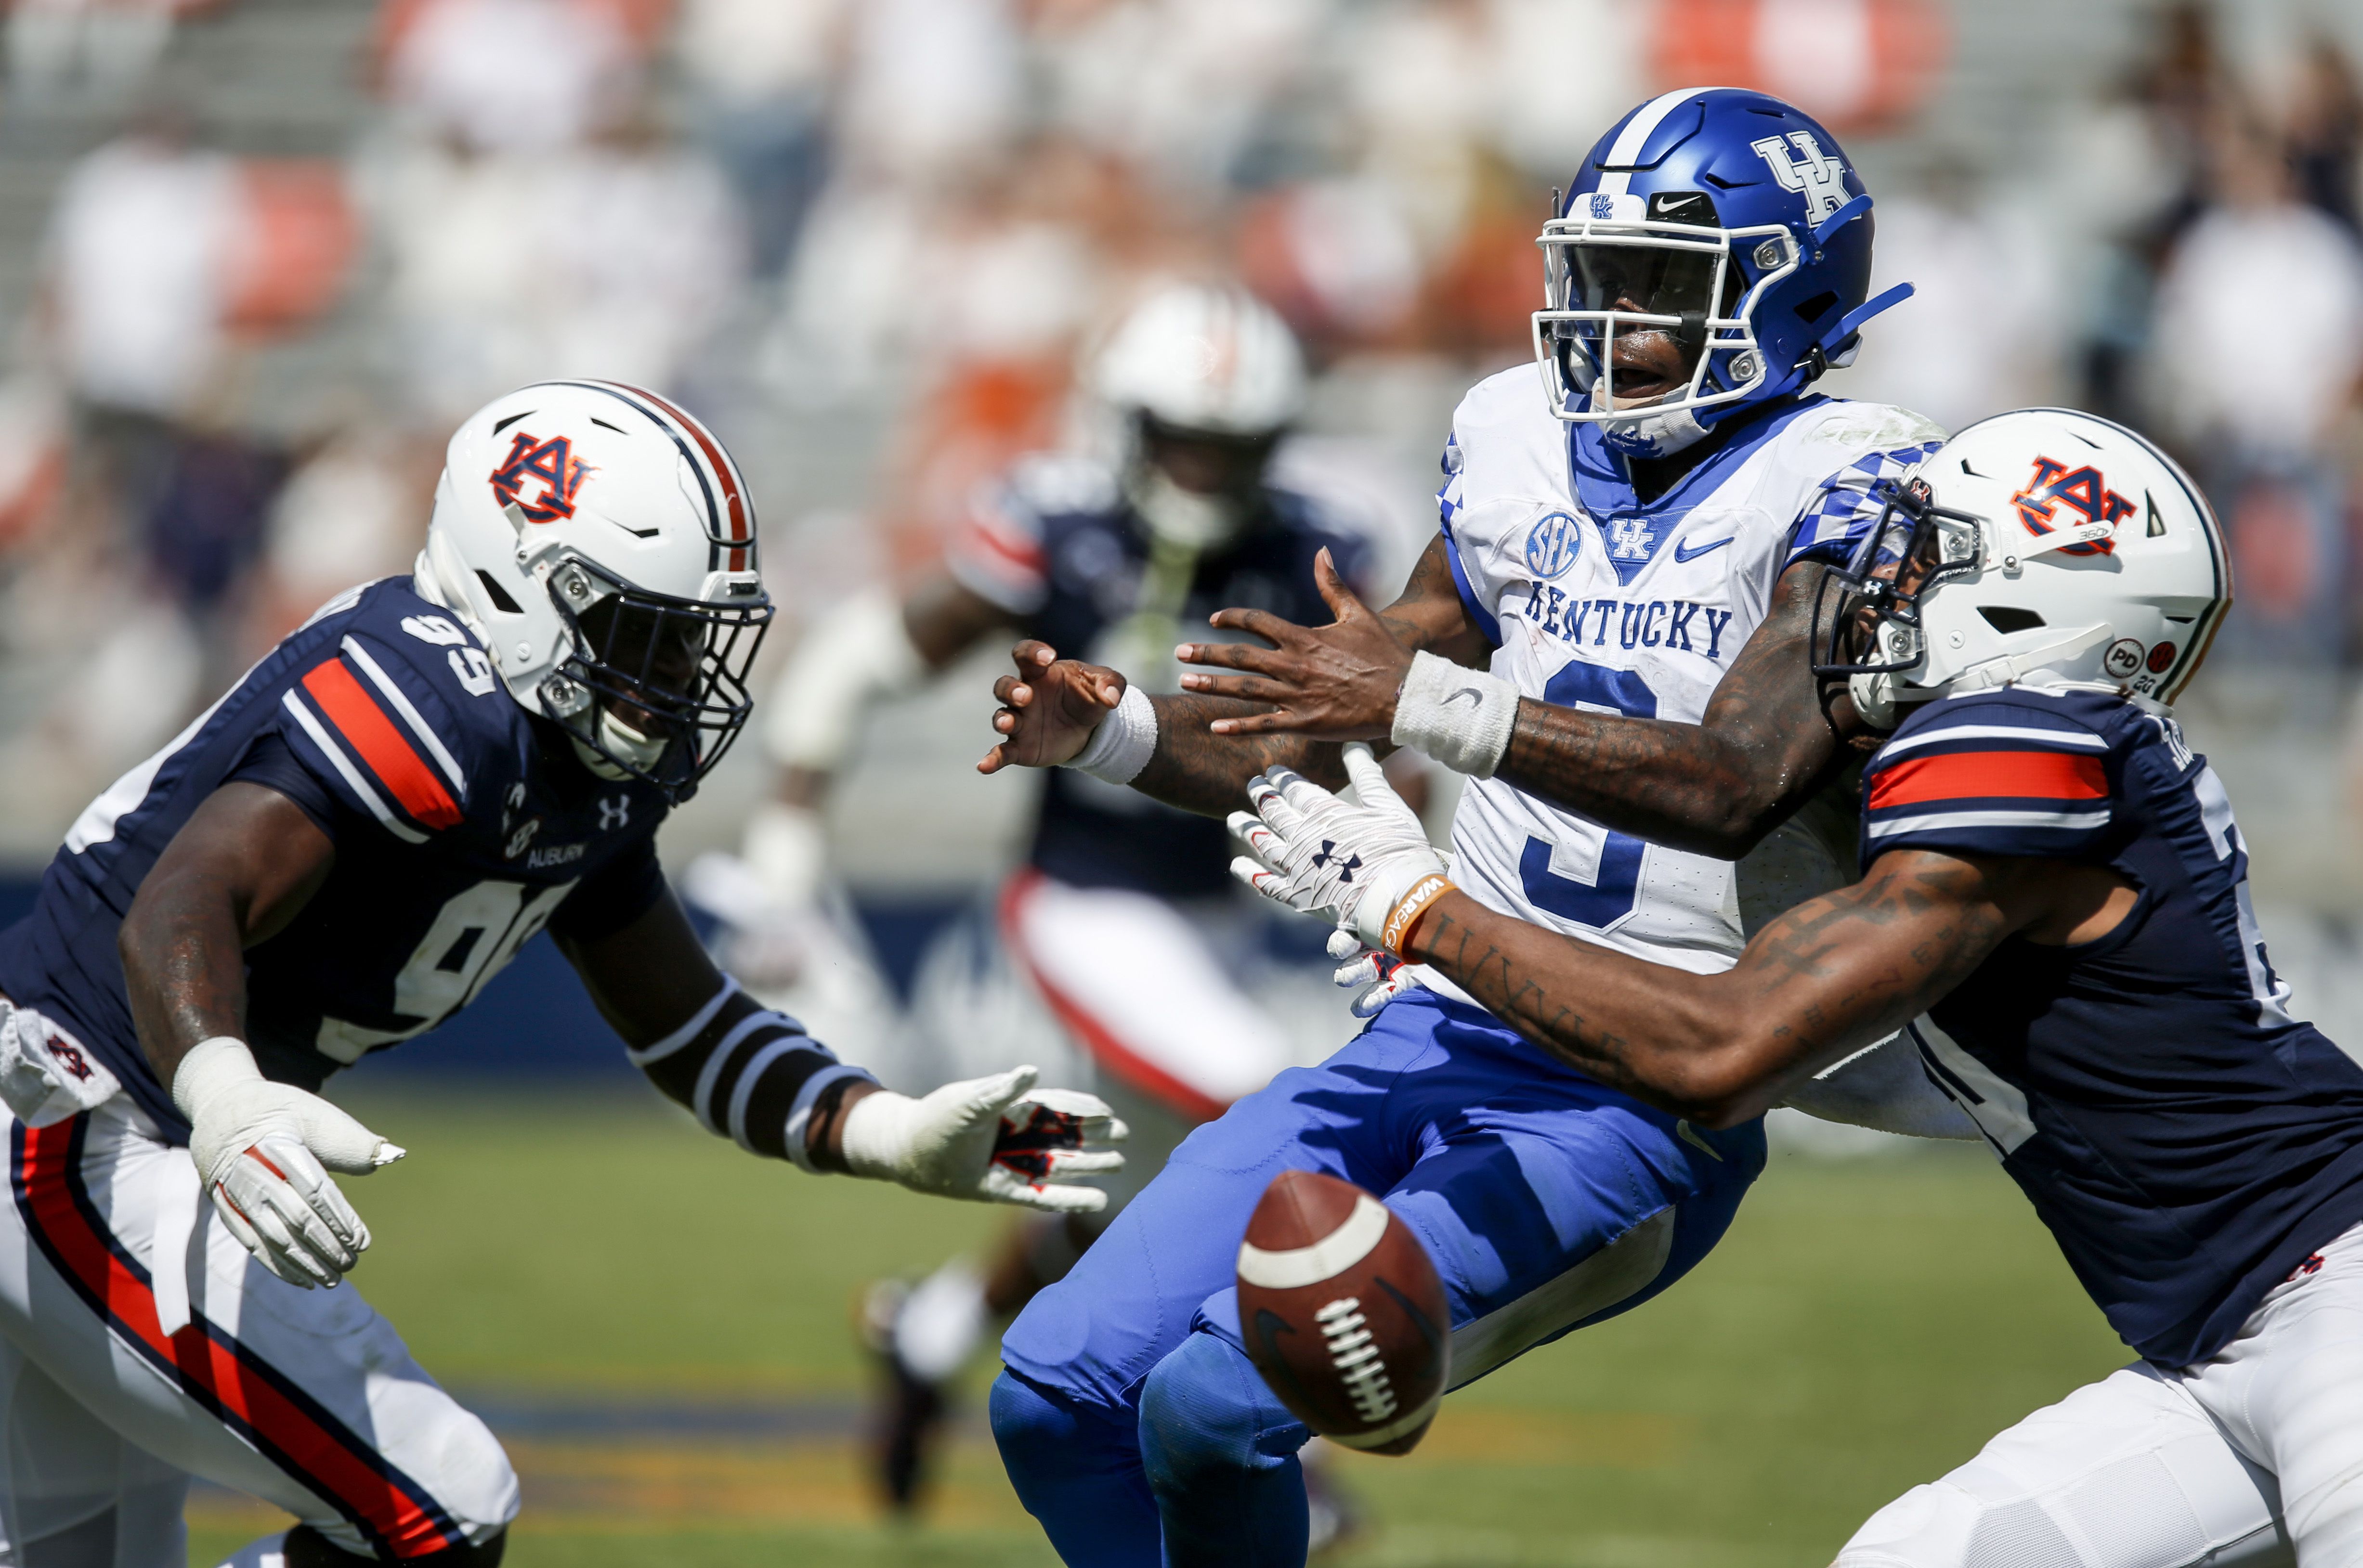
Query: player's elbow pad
(851, 658)
(746, 1073)
(1884, 1087)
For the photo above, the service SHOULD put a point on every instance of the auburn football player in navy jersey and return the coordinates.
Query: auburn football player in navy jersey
(334, 857)
(2054, 878)
(1113, 937)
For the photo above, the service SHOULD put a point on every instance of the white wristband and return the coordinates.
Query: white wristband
(210, 1065)
(1460, 717)
(875, 1135)
(1124, 741)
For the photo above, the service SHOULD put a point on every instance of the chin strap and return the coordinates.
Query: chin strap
(2017, 666)
(1835, 347)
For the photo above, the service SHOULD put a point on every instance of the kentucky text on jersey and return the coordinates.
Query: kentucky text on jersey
(1596, 599)
(1677, 624)
(2186, 1139)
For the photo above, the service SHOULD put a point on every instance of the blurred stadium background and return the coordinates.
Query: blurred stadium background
(257, 256)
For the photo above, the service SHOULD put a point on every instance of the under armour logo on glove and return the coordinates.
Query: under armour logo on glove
(1328, 853)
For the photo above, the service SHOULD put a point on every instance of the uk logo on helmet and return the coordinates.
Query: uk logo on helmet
(1552, 545)
(552, 464)
(1797, 163)
(2079, 490)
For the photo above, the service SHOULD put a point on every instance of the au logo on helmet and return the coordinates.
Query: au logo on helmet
(553, 464)
(2080, 490)
(1797, 163)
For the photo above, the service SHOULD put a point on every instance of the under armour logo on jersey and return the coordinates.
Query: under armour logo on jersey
(2080, 490)
(1630, 539)
(553, 464)
(1797, 163)
(1329, 853)
(614, 811)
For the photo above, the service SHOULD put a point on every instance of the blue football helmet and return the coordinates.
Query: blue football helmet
(1727, 218)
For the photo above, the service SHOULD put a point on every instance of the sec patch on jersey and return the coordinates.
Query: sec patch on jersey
(1343, 1313)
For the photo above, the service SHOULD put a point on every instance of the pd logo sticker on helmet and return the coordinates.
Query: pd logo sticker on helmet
(1552, 545)
(2083, 489)
(554, 463)
(2123, 658)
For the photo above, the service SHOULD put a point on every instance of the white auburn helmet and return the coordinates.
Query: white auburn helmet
(1206, 358)
(1205, 362)
(602, 544)
(2045, 539)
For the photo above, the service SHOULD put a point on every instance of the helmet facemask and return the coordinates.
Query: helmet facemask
(1616, 272)
(1867, 614)
(652, 686)
(1224, 473)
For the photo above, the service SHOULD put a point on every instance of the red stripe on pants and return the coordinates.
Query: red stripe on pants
(211, 1368)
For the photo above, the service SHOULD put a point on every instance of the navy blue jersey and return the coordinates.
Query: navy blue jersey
(1058, 547)
(462, 826)
(2187, 1141)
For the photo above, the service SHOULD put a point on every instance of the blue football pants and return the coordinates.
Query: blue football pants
(1133, 1425)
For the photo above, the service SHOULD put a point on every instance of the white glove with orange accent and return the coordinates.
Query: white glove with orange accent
(1376, 978)
(1368, 866)
(260, 1147)
(996, 1140)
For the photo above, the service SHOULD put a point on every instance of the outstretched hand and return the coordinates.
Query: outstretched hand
(1049, 708)
(1337, 683)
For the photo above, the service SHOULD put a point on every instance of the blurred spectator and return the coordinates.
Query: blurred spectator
(2257, 348)
(1178, 88)
(139, 274)
(933, 87)
(517, 76)
(613, 259)
(105, 47)
(1981, 333)
(2325, 129)
(760, 72)
(354, 510)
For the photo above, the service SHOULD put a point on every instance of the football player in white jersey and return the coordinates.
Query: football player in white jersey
(1609, 636)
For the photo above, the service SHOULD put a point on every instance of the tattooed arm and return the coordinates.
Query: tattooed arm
(1204, 758)
(1714, 787)
(1829, 977)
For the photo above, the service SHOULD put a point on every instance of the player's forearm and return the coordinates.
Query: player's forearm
(1662, 1035)
(1691, 787)
(1200, 771)
(1829, 977)
(183, 968)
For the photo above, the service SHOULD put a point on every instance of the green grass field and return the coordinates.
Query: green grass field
(1865, 1326)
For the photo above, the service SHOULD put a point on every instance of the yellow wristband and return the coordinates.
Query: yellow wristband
(1405, 916)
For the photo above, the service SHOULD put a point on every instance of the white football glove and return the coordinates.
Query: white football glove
(260, 1147)
(1315, 852)
(996, 1140)
(1376, 978)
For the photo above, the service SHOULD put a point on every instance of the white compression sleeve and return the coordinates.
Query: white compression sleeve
(851, 658)
(1460, 717)
(1884, 1086)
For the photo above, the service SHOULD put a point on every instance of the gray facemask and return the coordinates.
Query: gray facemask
(1179, 516)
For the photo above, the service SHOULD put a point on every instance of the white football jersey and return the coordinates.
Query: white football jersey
(1595, 600)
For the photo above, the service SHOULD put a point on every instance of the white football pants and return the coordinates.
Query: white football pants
(2253, 1456)
(305, 1398)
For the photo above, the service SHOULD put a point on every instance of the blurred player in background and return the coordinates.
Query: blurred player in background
(2056, 879)
(335, 858)
(1122, 920)
(1608, 637)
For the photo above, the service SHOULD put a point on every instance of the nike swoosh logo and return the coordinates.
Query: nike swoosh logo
(1683, 552)
(1474, 696)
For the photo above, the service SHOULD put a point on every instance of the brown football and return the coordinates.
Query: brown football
(1343, 1312)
